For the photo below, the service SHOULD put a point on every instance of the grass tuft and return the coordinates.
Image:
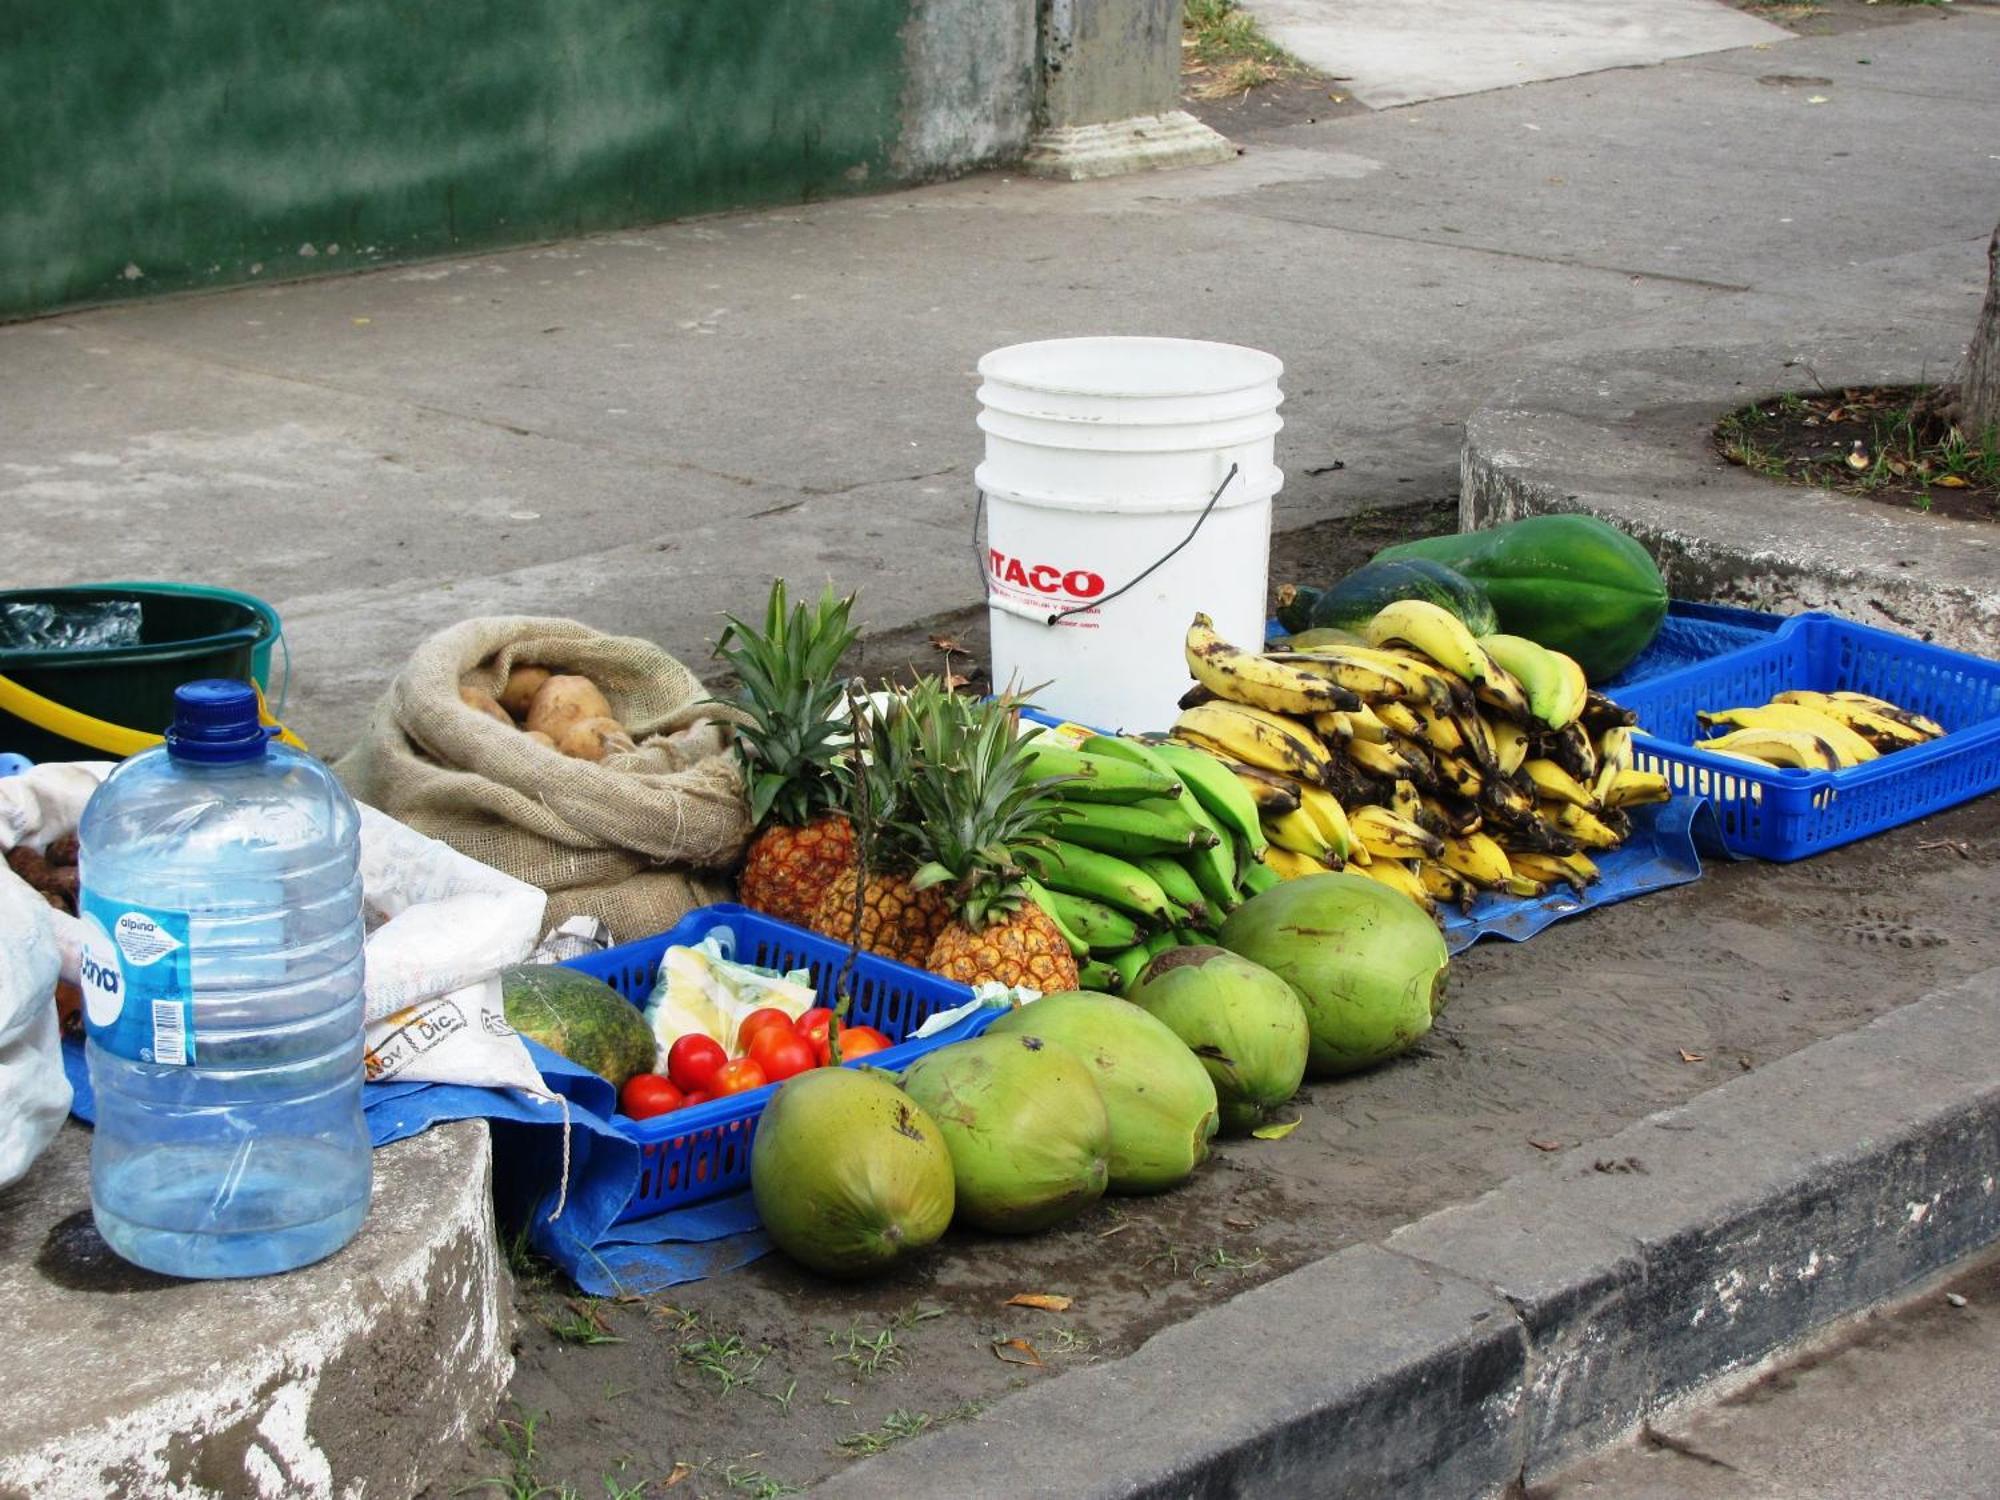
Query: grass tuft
(1225, 52)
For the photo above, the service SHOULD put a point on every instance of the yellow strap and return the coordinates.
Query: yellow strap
(112, 739)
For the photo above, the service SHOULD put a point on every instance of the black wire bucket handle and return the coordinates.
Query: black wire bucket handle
(979, 560)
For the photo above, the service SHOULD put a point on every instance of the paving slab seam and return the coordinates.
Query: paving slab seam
(1489, 1345)
(1558, 262)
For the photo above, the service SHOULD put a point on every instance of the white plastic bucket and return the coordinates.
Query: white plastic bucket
(1102, 455)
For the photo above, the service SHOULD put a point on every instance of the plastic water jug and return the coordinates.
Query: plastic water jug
(222, 988)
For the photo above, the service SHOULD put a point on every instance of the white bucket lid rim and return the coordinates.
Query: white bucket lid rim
(1125, 367)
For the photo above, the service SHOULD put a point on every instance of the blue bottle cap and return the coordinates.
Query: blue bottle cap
(215, 722)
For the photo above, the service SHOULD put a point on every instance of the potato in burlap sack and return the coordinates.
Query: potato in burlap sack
(636, 839)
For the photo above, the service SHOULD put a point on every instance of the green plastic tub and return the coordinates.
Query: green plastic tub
(97, 702)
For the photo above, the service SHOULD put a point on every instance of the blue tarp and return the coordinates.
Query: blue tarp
(1664, 850)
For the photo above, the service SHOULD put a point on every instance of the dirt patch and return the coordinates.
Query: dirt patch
(1235, 80)
(1298, 99)
(1839, 17)
(1893, 444)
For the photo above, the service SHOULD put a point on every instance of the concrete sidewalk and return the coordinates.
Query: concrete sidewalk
(640, 429)
(1389, 52)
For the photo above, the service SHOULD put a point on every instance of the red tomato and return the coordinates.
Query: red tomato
(756, 1021)
(646, 1095)
(860, 1041)
(813, 1026)
(781, 1052)
(739, 1076)
(693, 1060)
(699, 1096)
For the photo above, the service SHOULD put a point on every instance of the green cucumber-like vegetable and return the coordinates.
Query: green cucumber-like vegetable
(1352, 602)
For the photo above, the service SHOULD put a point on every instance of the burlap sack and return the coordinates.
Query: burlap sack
(625, 839)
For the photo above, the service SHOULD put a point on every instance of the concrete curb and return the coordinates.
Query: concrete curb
(1623, 433)
(1491, 1343)
(357, 1375)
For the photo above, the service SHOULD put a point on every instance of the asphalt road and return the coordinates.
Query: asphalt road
(1905, 1407)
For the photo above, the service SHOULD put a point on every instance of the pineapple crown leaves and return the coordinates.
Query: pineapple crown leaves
(792, 693)
(973, 801)
(878, 782)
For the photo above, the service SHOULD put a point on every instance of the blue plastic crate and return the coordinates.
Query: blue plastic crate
(1785, 815)
(691, 1155)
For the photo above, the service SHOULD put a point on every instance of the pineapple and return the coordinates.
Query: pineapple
(897, 920)
(972, 804)
(792, 691)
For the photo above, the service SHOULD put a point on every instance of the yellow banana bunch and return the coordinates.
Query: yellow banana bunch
(1298, 832)
(1389, 761)
(1440, 731)
(1386, 836)
(1273, 794)
(1454, 817)
(1370, 675)
(1335, 727)
(1501, 691)
(1614, 758)
(1479, 859)
(1437, 763)
(1239, 676)
(1442, 884)
(1850, 747)
(1553, 784)
(1436, 632)
(1857, 727)
(1287, 865)
(1406, 802)
(1509, 799)
(1929, 728)
(1510, 744)
(1331, 819)
(1883, 729)
(1398, 876)
(1632, 788)
(1366, 724)
(1256, 737)
(1458, 776)
(1582, 825)
(1789, 748)
(1400, 718)
(1573, 870)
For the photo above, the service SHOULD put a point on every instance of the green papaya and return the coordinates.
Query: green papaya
(1572, 583)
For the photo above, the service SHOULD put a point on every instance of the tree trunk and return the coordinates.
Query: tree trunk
(1979, 392)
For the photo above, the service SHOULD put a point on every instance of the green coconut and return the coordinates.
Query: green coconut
(1161, 1104)
(1029, 1137)
(1243, 1022)
(848, 1172)
(1368, 965)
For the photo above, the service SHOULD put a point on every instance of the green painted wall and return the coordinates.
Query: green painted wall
(153, 145)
